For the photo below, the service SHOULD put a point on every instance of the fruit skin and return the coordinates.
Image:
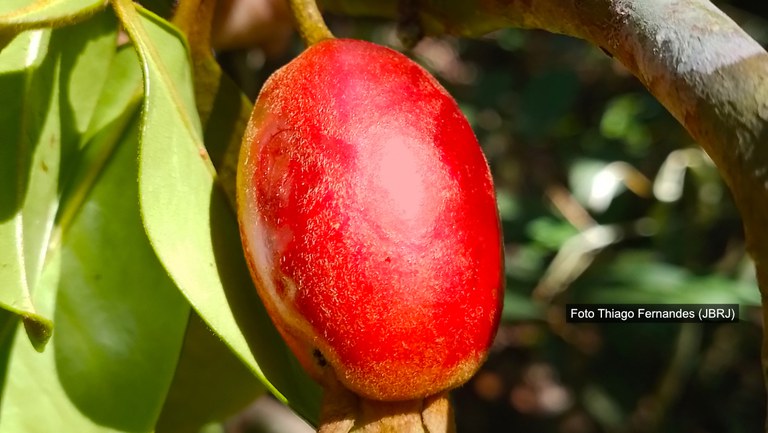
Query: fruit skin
(369, 223)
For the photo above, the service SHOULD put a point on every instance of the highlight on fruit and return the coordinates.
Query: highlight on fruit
(369, 222)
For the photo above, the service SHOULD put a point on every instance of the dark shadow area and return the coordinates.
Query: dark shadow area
(210, 383)
(120, 320)
(223, 120)
(24, 104)
(574, 141)
(539, 384)
(8, 324)
(76, 39)
(273, 356)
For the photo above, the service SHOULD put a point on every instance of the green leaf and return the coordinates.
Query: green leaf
(120, 321)
(551, 233)
(162, 8)
(29, 172)
(32, 377)
(224, 111)
(211, 384)
(520, 307)
(20, 15)
(117, 103)
(53, 83)
(124, 90)
(638, 277)
(622, 121)
(9, 323)
(86, 55)
(188, 220)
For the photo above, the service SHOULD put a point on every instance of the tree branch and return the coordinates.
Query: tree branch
(694, 59)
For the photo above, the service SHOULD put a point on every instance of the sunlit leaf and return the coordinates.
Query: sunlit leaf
(120, 321)
(29, 172)
(116, 106)
(582, 175)
(223, 109)
(33, 399)
(188, 220)
(52, 81)
(19, 15)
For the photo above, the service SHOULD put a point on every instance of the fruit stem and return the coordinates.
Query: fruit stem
(310, 21)
(344, 412)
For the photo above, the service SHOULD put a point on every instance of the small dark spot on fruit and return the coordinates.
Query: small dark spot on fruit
(388, 260)
(319, 358)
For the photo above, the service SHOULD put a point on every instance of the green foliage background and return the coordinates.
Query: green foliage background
(125, 303)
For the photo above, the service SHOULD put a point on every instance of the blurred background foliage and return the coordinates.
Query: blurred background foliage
(604, 198)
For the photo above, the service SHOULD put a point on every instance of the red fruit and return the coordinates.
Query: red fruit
(369, 222)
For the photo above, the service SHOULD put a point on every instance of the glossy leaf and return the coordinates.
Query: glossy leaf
(53, 83)
(120, 321)
(86, 52)
(113, 355)
(32, 377)
(117, 104)
(188, 220)
(29, 172)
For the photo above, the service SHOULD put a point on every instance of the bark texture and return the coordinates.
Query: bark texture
(344, 412)
(692, 57)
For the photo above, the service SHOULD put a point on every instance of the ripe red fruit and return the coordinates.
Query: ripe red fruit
(368, 218)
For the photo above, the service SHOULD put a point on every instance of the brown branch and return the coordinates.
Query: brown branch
(220, 105)
(344, 412)
(694, 59)
(309, 21)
